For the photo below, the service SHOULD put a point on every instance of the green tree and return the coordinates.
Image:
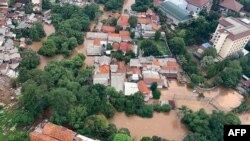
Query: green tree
(210, 52)
(132, 21)
(48, 48)
(196, 79)
(207, 61)
(122, 137)
(46, 4)
(157, 35)
(149, 48)
(96, 124)
(177, 45)
(29, 59)
(154, 86)
(156, 94)
(231, 75)
(76, 116)
(146, 139)
(92, 11)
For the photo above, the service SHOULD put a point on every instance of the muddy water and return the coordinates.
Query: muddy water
(224, 99)
(127, 5)
(245, 118)
(164, 125)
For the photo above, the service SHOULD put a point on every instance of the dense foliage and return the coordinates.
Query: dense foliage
(204, 127)
(35, 32)
(141, 5)
(246, 4)
(29, 59)
(111, 4)
(149, 48)
(69, 21)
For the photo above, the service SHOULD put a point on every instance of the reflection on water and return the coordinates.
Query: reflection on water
(164, 125)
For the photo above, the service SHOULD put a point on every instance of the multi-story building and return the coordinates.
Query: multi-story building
(231, 36)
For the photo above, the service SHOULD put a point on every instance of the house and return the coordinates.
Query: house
(96, 47)
(114, 37)
(230, 6)
(123, 21)
(115, 46)
(117, 81)
(144, 90)
(134, 74)
(97, 35)
(4, 4)
(101, 78)
(36, 5)
(52, 132)
(195, 6)
(125, 36)
(170, 69)
(102, 60)
(176, 14)
(130, 88)
(135, 63)
(108, 29)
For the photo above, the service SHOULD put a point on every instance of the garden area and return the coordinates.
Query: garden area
(153, 47)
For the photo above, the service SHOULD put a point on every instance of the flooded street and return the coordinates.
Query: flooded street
(223, 99)
(127, 5)
(164, 125)
(245, 118)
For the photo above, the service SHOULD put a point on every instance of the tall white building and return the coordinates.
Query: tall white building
(231, 36)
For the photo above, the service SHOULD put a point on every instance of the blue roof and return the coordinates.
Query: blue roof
(206, 45)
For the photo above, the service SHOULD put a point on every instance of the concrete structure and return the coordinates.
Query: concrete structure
(176, 14)
(231, 36)
(195, 6)
(180, 3)
(130, 88)
(117, 81)
(36, 5)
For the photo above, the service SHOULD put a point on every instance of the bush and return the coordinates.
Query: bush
(157, 108)
(163, 108)
(28, 42)
(190, 85)
(156, 94)
(13, 82)
(145, 111)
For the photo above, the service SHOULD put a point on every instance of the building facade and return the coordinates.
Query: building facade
(231, 36)
(196, 6)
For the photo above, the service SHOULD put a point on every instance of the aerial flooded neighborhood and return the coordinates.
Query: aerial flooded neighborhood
(123, 70)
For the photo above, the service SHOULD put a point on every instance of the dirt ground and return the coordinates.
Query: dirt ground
(223, 99)
(6, 92)
(164, 125)
(245, 118)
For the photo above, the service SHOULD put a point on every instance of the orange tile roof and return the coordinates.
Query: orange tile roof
(144, 20)
(115, 46)
(35, 136)
(123, 46)
(156, 63)
(58, 132)
(104, 69)
(97, 42)
(106, 28)
(143, 87)
(171, 65)
(126, 37)
(130, 47)
(124, 33)
(114, 35)
(2, 22)
(123, 21)
(155, 26)
(121, 67)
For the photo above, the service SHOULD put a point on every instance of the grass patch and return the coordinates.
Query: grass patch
(161, 46)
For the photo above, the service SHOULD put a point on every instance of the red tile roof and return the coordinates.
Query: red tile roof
(224, 23)
(198, 3)
(106, 28)
(141, 15)
(124, 33)
(58, 132)
(232, 5)
(155, 26)
(104, 69)
(35, 136)
(143, 20)
(156, 63)
(114, 35)
(115, 46)
(171, 66)
(143, 87)
(121, 67)
(123, 21)
(123, 46)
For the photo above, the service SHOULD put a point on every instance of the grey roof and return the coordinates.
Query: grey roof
(23, 25)
(173, 10)
(117, 81)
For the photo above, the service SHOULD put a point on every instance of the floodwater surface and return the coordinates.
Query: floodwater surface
(166, 125)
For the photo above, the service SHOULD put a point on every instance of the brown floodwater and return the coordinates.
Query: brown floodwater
(245, 118)
(222, 98)
(166, 125)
